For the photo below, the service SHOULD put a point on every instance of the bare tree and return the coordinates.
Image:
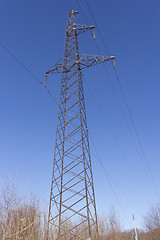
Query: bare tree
(152, 223)
(110, 227)
(19, 218)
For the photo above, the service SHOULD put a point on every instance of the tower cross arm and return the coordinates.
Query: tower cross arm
(81, 29)
(78, 29)
(91, 60)
(83, 60)
(57, 68)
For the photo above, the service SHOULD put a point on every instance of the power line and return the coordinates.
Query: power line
(126, 103)
(112, 134)
(115, 94)
(122, 112)
(99, 109)
(28, 70)
(119, 104)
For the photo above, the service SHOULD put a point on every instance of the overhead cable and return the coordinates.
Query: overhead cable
(28, 70)
(126, 103)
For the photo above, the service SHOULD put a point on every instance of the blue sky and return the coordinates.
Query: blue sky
(34, 32)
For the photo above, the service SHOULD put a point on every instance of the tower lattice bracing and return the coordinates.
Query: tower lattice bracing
(72, 209)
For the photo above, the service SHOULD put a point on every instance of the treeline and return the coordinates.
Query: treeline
(22, 219)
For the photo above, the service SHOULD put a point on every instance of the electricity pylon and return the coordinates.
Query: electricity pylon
(72, 209)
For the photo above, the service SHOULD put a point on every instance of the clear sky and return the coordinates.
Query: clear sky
(34, 32)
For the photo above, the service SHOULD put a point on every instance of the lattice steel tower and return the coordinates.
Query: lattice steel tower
(72, 209)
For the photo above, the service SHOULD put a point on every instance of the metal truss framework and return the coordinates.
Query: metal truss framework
(72, 209)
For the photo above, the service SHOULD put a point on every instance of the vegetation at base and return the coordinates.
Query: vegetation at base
(22, 219)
